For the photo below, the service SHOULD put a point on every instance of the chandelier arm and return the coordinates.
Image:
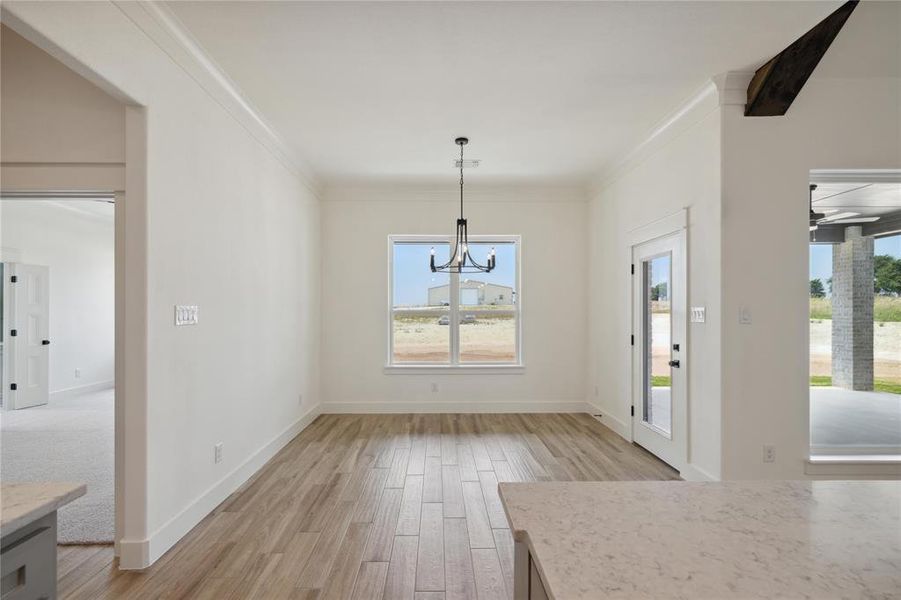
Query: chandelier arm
(483, 268)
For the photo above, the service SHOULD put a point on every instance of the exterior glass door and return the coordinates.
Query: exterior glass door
(659, 412)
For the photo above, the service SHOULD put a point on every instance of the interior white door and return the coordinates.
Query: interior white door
(30, 350)
(659, 407)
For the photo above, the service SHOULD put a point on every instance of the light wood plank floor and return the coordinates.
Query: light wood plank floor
(372, 506)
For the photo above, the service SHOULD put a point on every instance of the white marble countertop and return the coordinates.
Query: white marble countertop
(785, 539)
(23, 503)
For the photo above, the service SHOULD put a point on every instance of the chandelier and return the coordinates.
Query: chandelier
(461, 261)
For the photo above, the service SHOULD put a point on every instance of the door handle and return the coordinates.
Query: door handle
(674, 364)
(45, 342)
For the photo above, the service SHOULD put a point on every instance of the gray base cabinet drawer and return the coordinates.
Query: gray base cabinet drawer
(28, 562)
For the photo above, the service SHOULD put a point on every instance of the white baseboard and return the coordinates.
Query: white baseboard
(82, 389)
(619, 426)
(695, 473)
(392, 407)
(854, 467)
(140, 554)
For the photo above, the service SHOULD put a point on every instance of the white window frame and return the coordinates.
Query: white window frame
(454, 366)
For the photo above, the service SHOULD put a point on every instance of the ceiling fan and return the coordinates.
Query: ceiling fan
(834, 216)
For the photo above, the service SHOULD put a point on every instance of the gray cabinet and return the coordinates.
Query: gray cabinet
(28, 561)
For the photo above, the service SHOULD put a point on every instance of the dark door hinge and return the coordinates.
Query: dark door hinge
(633, 410)
(13, 278)
(632, 339)
(633, 269)
(13, 386)
(13, 332)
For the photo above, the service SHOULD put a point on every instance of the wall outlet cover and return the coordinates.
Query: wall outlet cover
(217, 453)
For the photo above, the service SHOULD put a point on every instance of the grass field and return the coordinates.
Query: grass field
(878, 386)
(420, 338)
(886, 309)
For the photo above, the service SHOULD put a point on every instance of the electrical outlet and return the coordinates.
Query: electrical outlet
(434, 387)
(744, 315)
(769, 454)
(77, 373)
(217, 453)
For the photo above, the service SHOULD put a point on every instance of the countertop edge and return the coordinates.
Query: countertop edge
(522, 536)
(43, 508)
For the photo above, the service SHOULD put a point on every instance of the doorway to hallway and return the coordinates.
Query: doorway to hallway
(59, 342)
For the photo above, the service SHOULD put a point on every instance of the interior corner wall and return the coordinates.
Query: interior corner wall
(852, 123)
(681, 172)
(78, 249)
(230, 228)
(356, 223)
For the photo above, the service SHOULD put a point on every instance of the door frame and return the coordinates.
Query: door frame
(675, 224)
(129, 471)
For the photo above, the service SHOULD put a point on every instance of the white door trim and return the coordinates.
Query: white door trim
(673, 224)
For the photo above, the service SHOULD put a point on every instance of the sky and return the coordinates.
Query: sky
(821, 256)
(413, 278)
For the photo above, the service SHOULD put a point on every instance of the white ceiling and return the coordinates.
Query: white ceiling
(549, 91)
(863, 199)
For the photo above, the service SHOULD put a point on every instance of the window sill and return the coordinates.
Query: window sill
(454, 369)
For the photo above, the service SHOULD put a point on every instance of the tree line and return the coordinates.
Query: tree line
(886, 278)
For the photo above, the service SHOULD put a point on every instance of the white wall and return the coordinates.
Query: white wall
(77, 244)
(680, 169)
(356, 223)
(848, 116)
(228, 227)
(51, 114)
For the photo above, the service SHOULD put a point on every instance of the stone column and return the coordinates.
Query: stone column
(852, 311)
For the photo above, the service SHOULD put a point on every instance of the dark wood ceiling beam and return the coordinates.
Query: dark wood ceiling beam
(777, 83)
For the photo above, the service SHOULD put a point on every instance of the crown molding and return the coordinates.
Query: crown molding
(437, 193)
(726, 89)
(688, 112)
(164, 28)
(732, 87)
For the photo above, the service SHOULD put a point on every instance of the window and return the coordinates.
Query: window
(453, 320)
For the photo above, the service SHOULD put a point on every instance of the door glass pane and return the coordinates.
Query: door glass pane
(657, 343)
(420, 305)
(488, 309)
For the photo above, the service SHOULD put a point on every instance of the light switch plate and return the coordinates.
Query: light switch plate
(698, 314)
(185, 314)
(744, 315)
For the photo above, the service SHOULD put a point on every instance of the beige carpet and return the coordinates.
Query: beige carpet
(70, 439)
